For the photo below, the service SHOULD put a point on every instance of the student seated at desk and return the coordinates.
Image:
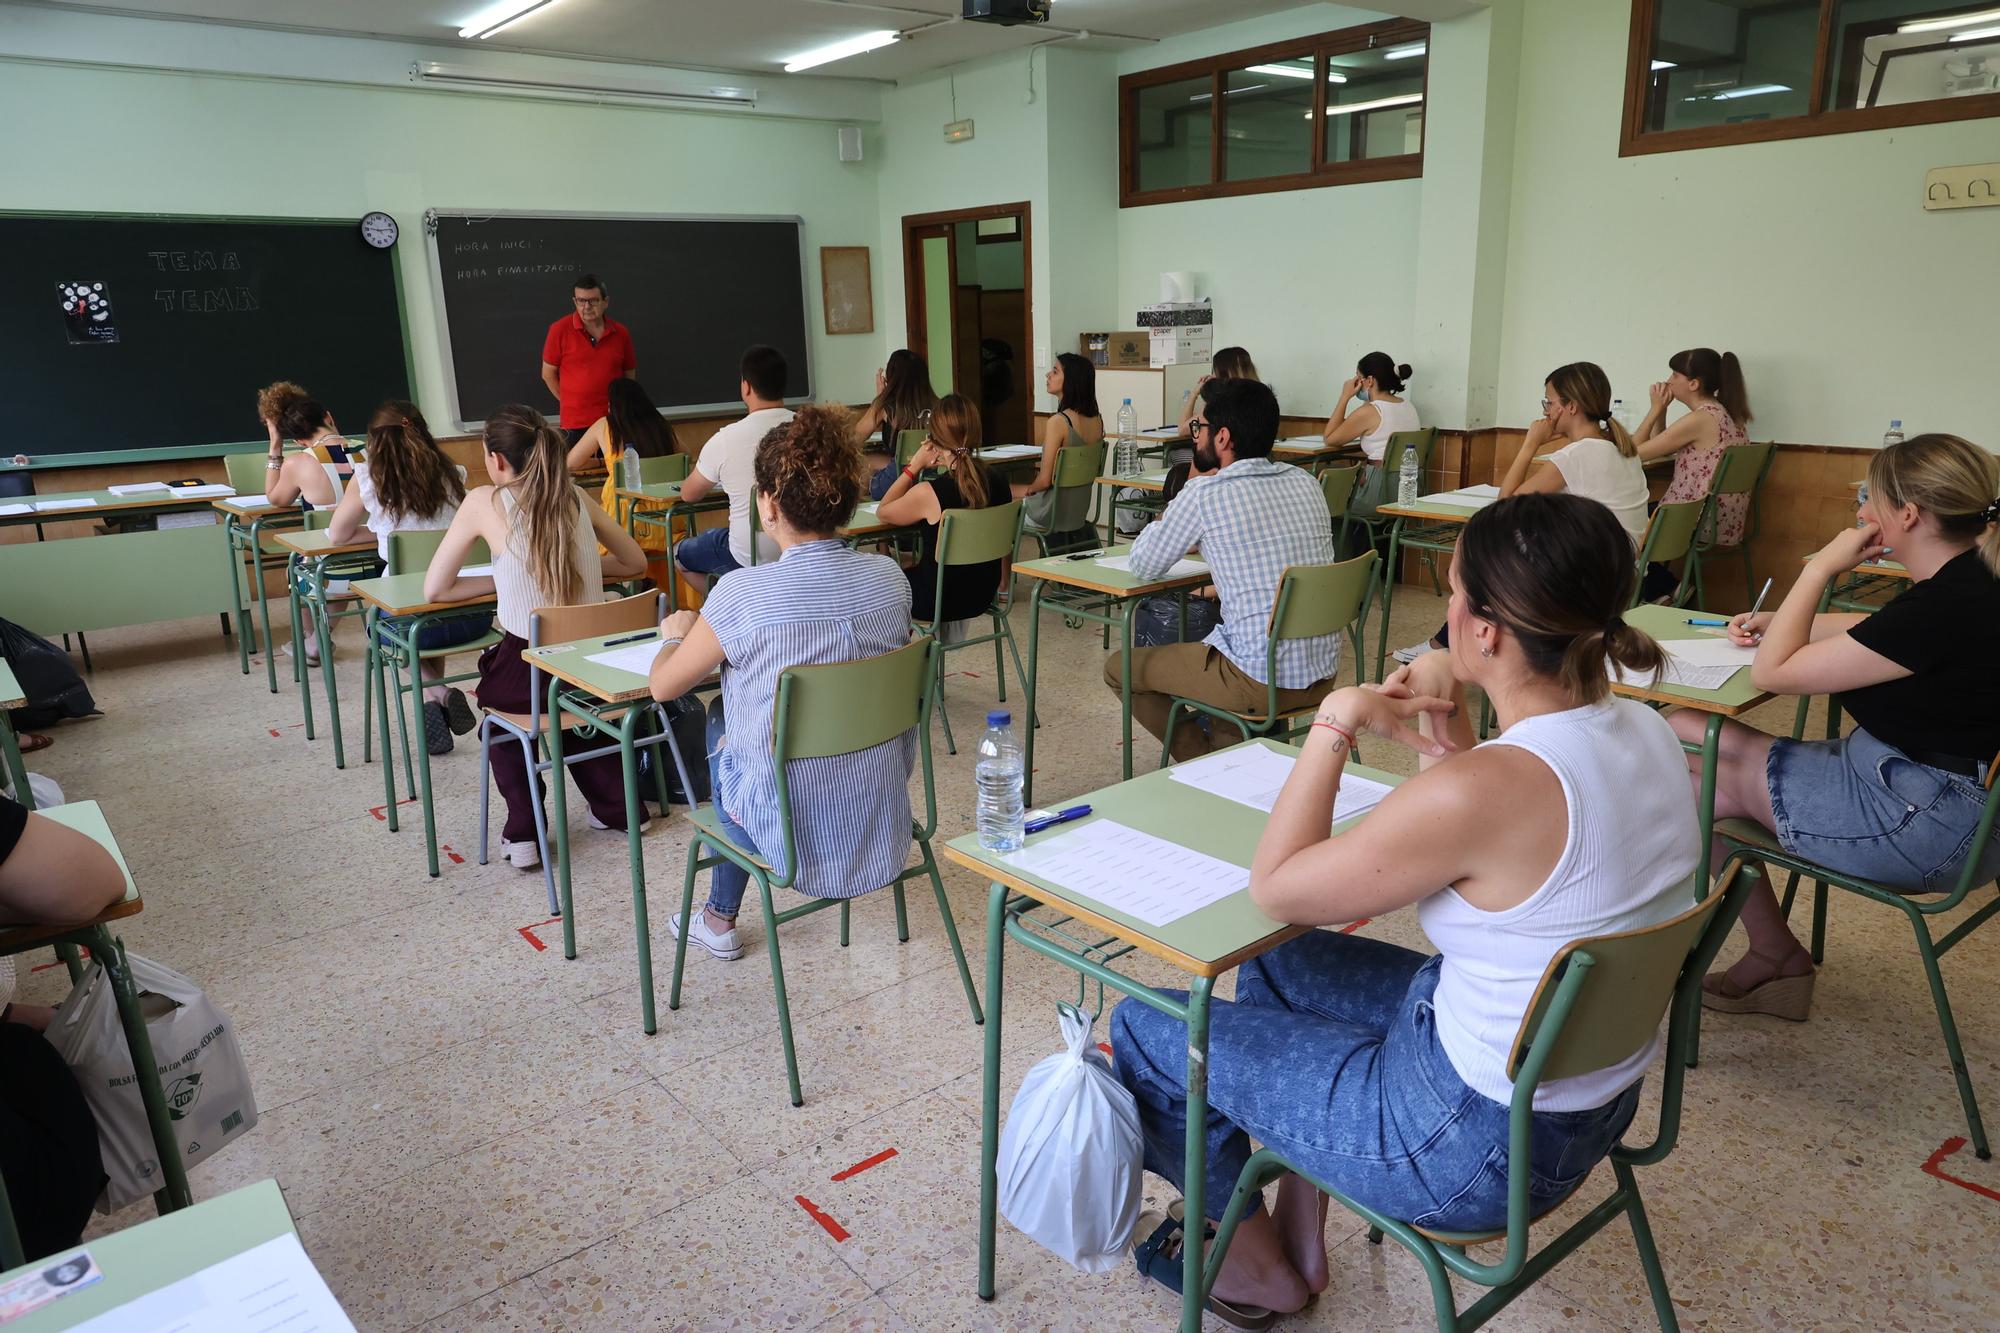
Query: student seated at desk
(409, 485)
(545, 536)
(50, 874)
(1159, 617)
(1230, 363)
(1377, 382)
(1597, 460)
(963, 483)
(316, 474)
(1899, 798)
(817, 603)
(630, 424)
(728, 464)
(904, 399)
(1710, 385)
(1380, 1070)
(1252, 520)
(1072, 380)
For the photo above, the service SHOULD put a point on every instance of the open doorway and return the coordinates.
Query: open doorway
(966, 284)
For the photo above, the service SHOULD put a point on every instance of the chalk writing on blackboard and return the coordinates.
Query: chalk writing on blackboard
(87, 312)
(194, 261)
(204, 300)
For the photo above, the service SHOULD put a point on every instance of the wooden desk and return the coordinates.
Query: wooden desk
(244, 527)
(402, 612)
(11, 697)
(659, 505)
(1437, 511)
(316, 559)
(1313, 453)
(1204, 944)
(1109, 597)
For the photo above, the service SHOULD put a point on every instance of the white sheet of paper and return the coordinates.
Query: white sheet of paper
(1181, 568)
(1481, 492)
(45, 506)
(1162, 432)
(1013, 450)
(267, 1288)
(476, 571)
(138, 487)
(252, 501)
(636, 658)
(1470, 497)
(16, 509)
(1677, 672)
(1709, 652)
(214, 490)
(864, 513)
(1148, 878)
(1305, 441)
(1253, 776)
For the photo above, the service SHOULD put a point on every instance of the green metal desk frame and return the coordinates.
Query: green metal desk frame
(315, 563)
(11, 697)
(245, 547)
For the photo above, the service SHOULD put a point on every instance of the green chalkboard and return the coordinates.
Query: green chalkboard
(155, 333)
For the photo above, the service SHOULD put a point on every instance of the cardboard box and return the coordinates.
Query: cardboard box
(1116, 351)
(1178, 346)
(1177, 314)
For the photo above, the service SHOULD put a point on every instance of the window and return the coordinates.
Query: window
(1327, 110)
(1709, 72)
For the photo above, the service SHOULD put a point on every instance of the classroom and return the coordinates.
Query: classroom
(822, 664)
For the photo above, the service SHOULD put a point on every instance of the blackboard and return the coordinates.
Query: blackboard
(694, 291)
(156, 332)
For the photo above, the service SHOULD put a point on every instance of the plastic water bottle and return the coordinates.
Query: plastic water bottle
(1618, 414)
(999, 771)
(1125, 458)
(1407, 478)
(1894, 435)
(628, 470)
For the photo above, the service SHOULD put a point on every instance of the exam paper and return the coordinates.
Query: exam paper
(1474, 497)
(1709, 652)
(252, 501)
(1157, 433)
(44, 506)
(1144, 877)
(212, 491)
(864, 514)
(475, 571)
(1179, 569)
(265, 1289)
(1013, 450)
(138, 487)
(10, 510)
(1253, 775)
(636, 658)
(1689, 675)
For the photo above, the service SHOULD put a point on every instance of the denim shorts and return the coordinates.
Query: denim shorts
(707, 552)
(1864, 808)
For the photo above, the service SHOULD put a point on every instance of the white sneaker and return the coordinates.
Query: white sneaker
(1413, 652)
(599, 824)
(521, 855)
(723, 946)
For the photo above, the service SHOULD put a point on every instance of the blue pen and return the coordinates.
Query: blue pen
(1704, 622)
(1059, 817)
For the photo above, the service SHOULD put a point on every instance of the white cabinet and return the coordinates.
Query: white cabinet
(1156, 395)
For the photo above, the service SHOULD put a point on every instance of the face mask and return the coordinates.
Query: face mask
(1363, 394)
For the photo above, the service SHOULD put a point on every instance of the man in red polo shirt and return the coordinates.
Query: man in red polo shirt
(583, 353)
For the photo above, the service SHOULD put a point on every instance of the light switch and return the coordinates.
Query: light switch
(1975, 186)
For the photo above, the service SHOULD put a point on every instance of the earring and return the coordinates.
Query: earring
(1486, 652)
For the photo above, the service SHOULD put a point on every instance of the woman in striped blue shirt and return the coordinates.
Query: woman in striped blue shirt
(817, 604)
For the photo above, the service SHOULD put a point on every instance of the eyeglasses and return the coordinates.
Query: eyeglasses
(589, 300)
(1547, 403)
(1196, 425)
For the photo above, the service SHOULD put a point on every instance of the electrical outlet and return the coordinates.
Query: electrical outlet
(1042, 355)
(1975, 186)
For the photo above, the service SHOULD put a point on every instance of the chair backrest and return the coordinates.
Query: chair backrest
(412, 551)
(976, 536)
(588, 620)
(1078, 465)
(1670, 532)
(1337, 485)
(664, 469)
(1422, 440)
(907, 444)
(1382, 477)
(1317, 600)
(16, 483)
(842, 707)
(248, 473)
(1740, 469)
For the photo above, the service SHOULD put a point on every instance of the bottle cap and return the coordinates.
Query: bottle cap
(999, 717)
(1895, 425)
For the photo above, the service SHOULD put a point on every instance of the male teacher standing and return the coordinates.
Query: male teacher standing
(583, 353)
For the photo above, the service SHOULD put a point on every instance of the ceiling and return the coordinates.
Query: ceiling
(744, 35)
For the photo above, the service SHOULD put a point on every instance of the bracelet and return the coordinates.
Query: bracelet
(274, 464)
(910, 472)
(668, 643)
(1341, 732)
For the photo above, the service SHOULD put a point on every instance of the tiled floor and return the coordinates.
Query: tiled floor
(473, 1131)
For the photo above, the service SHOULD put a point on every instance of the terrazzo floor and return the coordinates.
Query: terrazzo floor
(474, 1132)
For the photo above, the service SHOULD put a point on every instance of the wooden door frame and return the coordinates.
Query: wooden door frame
(913, 296)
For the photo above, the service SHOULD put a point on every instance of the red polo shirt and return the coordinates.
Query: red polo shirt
(586, 369)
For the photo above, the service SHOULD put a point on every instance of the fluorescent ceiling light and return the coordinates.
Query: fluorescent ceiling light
(1379, 104)
(1754, 90)
(432, 72)
(1940, 25)
(495, 17)
(1282, 71)
(1404, 52)
(1663, 64)
(841, 50)
(1976, 35)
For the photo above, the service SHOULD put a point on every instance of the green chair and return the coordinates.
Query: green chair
(907, 444)
(1740, 471)
(1379, 487)
(975, 537)
(1337, 485)
(308, 582)
(664, 469)
(1313, 601)
(1670, 537)
(1742, 837)
(408, 553)
(822, 711)
(248, 472)
(1078, 466)
(1599, 1002)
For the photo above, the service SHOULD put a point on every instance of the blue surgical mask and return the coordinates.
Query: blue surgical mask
(1363, 394)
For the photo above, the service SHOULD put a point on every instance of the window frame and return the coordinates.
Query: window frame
(1320, 173)
(1635, 140)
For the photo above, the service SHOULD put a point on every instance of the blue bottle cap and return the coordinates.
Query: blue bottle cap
(999, 717)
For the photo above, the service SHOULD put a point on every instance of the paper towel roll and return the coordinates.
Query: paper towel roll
(1177, 286)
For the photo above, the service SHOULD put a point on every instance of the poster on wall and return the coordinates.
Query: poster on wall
(87, 312)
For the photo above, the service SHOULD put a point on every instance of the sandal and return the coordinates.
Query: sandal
(1159, 1258)
(31, 741)
(1789, 998)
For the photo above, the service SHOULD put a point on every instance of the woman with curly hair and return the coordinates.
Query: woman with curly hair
(817, 604)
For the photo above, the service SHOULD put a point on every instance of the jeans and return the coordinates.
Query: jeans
(1329, 1056)
(727, 881)
(707, 552)
(443, 633)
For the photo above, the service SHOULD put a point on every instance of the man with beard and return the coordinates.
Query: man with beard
(1252, 520)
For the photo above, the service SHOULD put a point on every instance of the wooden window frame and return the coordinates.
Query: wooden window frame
(1635, 140)
(1317, 48)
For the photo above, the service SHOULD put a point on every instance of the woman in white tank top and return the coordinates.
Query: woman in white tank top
(1377, 382)
(1382, 1070)
(544, 535)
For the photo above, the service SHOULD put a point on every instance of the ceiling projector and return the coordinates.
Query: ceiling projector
(1007, 12)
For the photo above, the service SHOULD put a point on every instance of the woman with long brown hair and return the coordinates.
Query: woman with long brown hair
(959, 481)
(630, 423)
(1709, 384)
(903, 401)
(409, 485)
(544, 535)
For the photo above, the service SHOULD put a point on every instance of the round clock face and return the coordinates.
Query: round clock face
(379, 230)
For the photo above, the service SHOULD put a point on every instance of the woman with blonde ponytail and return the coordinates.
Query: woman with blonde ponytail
(1899, 798)
(1383, 1069)
(963, 483)
(544, 534)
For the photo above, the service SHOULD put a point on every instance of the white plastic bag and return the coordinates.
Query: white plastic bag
(1071, 1167)
(202, 1073)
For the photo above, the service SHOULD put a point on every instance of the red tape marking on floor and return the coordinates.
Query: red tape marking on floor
(528, 933)
(378, 810)
(865, 1163)
(833, 1228)
(289, 726)
(1353, 926)
(456, 859)
(82, 952)
(1933, 1168)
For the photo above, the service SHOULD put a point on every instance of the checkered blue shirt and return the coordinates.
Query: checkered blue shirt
(1251, 520)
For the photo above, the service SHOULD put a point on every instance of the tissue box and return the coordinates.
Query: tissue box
(1178, 314)
(1116, 351)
